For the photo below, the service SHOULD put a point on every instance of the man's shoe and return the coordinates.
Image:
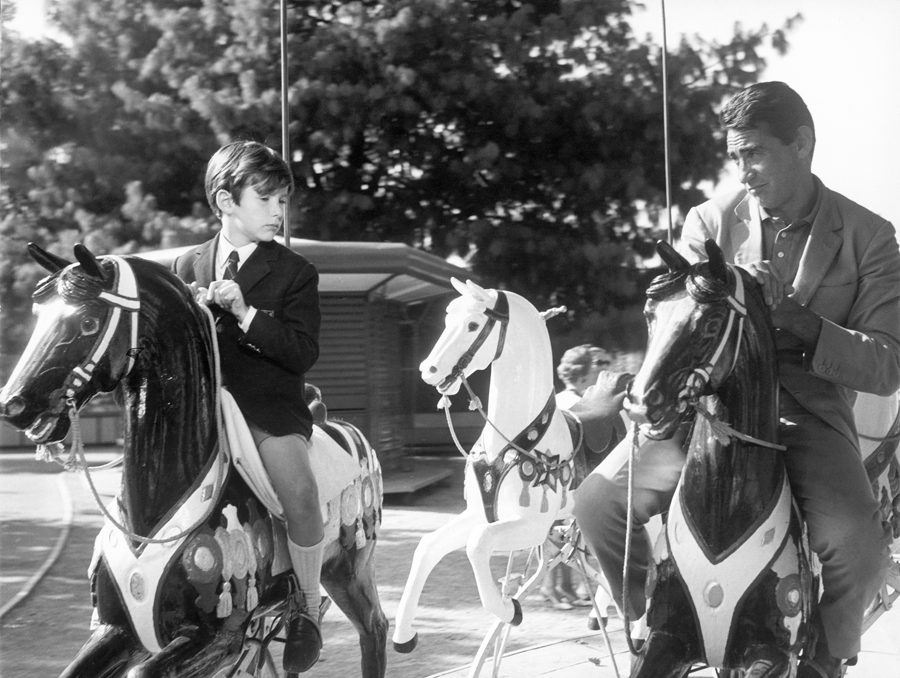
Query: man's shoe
(822, 665)
(303, 644)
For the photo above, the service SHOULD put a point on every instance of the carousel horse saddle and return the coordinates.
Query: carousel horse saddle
(332, 466)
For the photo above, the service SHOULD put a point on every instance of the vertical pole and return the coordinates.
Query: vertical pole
(285, 121)
(665, 88)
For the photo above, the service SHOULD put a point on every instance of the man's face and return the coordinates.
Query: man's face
(769, 169)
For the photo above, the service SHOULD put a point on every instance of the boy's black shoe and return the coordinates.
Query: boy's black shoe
(303, 644)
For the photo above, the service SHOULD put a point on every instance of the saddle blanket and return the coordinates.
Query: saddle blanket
(333, 467)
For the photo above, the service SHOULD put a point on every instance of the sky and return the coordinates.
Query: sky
(844, 60)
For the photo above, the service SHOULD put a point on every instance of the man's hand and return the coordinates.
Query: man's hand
(798, 320)
(774, 289)
(604, 399)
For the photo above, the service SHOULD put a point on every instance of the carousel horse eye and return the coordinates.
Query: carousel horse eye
(472, 326)
(89, 326)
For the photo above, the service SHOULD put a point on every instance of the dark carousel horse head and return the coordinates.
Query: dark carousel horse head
(731, 587)
(709, 333)
(127, 325)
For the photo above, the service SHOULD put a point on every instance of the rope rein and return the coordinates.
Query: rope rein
(629, 526)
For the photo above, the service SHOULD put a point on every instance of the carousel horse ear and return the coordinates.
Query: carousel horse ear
(459, 286)
(479, 292)
(89, 262)
(717, 266)
(51, 262)
(671, 257)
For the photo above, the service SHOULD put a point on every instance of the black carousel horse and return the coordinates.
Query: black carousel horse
(731, 583)
(189, 564)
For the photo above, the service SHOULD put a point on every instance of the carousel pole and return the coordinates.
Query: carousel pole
(285, 134)
(665, 89)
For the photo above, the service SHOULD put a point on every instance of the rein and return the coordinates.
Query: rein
(500, 313)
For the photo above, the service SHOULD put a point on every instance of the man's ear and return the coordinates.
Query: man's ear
(805, 141)
(224, 201)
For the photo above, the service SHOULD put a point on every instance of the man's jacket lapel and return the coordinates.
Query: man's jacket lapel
(821, 248)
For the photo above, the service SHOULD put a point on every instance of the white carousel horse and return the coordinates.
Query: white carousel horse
(519, 474)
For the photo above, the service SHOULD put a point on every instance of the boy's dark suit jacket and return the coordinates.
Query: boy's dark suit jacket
(264, 369)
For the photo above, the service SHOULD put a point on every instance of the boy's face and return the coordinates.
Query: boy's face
(256, 219)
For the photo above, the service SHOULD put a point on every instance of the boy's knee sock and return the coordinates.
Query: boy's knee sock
(307, 562)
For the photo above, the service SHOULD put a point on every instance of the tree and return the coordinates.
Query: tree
(526, 138)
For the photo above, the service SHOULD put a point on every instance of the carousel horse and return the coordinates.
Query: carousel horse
(732, 582)
(190, 562)
(521, 473)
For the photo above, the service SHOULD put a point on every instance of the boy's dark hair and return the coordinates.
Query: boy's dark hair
(770, 105)
(239, 164)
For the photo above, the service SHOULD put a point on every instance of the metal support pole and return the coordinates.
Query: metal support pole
(665, 88)
(285, 121)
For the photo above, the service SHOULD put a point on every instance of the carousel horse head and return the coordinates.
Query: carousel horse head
(474, 336)
(699, 333)
(86, 326)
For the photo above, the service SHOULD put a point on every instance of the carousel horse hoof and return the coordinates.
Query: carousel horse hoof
(408, 646)
(595, 624)
(517, 613)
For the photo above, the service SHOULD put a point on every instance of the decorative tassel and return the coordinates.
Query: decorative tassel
(443, 403)
(525, 496)
(225, 606)
(475, 403)
(360, 535)
(562, 502)
(252, 594)
(545, 505)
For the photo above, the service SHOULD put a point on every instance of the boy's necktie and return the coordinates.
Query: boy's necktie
(231, 265)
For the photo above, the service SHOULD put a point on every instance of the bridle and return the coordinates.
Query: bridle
(737, 313)
(701, 376)
(124, 299)
(498, 314)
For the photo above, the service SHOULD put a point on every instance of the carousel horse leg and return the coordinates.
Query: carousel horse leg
(487, 539)
(162, 662)
(662, 656)
(107, 649)
(352, 587)
(430, 551)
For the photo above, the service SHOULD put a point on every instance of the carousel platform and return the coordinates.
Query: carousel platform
(414, 474)
(587, 657)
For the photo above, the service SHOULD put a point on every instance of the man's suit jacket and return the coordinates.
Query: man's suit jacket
(849, 274)
(264, 369)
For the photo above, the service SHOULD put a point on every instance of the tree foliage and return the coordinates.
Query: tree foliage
(526, 138)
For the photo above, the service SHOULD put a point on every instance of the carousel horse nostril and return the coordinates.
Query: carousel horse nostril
(432, 369)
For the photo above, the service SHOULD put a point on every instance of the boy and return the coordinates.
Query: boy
(266, 302)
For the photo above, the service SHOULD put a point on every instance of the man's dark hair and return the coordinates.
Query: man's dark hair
(770, 105)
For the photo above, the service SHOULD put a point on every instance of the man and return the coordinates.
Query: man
(830, 272)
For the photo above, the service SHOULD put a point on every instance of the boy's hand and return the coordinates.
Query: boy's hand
(228, 295)
(199, 293)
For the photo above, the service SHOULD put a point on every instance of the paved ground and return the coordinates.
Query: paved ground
(48, 520)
